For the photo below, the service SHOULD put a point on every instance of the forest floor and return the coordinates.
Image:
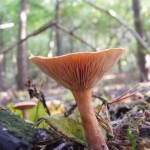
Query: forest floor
(126, 120)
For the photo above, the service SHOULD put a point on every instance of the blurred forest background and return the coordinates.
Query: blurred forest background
(57, 27)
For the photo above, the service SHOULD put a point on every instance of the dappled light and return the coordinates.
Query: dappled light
(6, 25)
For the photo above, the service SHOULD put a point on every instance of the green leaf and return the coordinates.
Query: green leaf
(31, 111)
(70, 128)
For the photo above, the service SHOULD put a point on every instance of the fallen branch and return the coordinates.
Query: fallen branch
(43, 28)
(36, 32)
(114, 15)
(75, 36)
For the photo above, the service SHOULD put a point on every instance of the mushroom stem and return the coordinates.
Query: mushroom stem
(90, 124)
(25, 114)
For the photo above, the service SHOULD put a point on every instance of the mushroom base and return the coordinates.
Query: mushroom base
(90, 124)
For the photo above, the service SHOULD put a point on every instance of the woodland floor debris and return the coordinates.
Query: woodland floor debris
(130, 123)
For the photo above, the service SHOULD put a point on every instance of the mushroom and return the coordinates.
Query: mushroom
(79, 72)
(24, 106)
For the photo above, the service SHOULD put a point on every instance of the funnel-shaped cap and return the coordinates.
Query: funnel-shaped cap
(78, 70)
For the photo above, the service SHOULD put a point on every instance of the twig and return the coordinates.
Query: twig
(48, 142)
(69, 112)
(75, 36)
(114, 15)
(108, 119)
(125, 95)
(37, 109)
(104, 101)
(63, 145)
(55, 128)
(38, 122)
(99, 97)
(105, 124)
(75, 28)
(38, 94)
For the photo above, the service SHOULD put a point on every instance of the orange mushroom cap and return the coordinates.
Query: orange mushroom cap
(78, 70)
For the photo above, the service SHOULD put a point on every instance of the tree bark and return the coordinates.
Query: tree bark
(140, 50)
(21, 52)
(71, 46)
(2, 62)
(119, 66)
(58, 32)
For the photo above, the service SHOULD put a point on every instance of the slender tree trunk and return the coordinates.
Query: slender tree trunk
(71, 45)
(119, 66)
(140, 50)
(58, 32)
(2, 63)
(51, 44)
(21, 53)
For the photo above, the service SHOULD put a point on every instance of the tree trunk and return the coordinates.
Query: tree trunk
(58, 33)
(140, 50)
(21, 53)
(2, 63)
(119, 66)
(71, 47)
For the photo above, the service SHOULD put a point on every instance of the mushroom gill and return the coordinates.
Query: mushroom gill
(78, 70)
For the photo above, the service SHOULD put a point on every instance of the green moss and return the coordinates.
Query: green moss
(131, 138)
(15, 125)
